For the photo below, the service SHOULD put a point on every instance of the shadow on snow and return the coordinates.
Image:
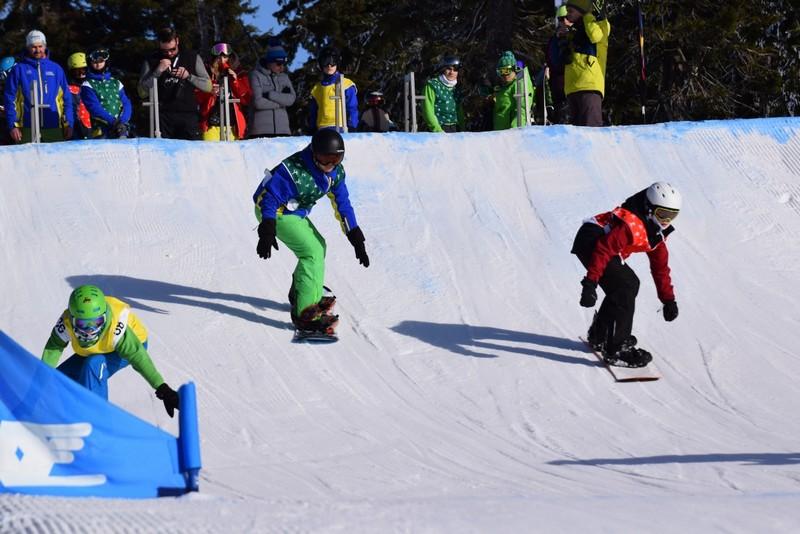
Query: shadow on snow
(135, 290)
(764, 458)
(468, 340)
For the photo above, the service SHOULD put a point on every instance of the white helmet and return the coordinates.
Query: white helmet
(664, 202)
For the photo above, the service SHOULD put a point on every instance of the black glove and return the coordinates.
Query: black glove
(170, 398)
(670, 310)
(356, 237)
(266, 238)
(119, 130)
(589, 293)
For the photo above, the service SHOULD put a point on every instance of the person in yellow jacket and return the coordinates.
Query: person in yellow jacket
(585, 32)
(106, 336)
(322, 110)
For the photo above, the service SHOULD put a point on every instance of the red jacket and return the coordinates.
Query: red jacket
(82, 114)
(240, 88)
(625, 235)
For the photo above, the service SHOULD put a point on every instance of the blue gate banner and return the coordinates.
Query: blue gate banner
(58, 438)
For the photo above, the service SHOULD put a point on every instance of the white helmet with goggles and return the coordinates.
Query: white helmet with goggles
(664, 203)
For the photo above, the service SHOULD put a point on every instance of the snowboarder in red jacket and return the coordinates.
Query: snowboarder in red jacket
(641, 224)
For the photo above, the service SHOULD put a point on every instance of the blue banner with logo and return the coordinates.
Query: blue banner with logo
(58, 438)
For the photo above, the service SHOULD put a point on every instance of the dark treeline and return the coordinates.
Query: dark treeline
(705, 59)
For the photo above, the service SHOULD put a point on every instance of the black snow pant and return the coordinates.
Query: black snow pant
(619, 283)
(586, 108)
(180, 125)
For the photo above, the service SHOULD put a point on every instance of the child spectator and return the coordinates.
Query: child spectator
(76, 75)
(105, 98)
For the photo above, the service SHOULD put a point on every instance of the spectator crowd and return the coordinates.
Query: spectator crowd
(88, 102)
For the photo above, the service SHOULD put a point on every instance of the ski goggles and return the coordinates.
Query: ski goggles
(664, 215)
(505, 71)
(328, 161)
(89, 326)
(96, 56)
(221, 49)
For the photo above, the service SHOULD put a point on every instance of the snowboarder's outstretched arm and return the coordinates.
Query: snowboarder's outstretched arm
(131, 349)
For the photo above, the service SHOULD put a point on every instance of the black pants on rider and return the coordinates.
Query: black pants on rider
(620, 285)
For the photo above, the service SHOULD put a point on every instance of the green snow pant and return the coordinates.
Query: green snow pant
(302, 238)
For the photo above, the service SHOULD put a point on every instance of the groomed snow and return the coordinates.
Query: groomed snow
(458, 398)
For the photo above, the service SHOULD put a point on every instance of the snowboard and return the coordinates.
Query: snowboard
(312, 336)
(647, 373)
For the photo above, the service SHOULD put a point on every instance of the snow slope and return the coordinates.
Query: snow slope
(459, 398)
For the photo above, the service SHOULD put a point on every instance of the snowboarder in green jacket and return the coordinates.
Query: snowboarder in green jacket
(106, 336)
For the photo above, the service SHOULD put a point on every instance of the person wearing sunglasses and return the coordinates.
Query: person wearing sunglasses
(273, 93)
(505, 114)
(106, 336)
(641, 224)
(322, 106)
(224, 64)
(105, 97)
(283, 202)
(57, 118)
(584, 35)
(441, 108)
(178, 72)
(76, 75)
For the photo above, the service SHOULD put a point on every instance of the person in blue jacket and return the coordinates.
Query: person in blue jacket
(52, 88)
(105, 98)
(283, 202)
(322, 107)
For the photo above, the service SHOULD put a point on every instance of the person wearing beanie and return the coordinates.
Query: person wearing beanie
(442, 107)
(225, 64)
(273, 93)
(322, 109)
(584, 37)
(505, 102)
(52, 88)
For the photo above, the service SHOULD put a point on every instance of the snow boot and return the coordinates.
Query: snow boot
(326, 303)
(597, 336)
(628, 355)
(314, 319)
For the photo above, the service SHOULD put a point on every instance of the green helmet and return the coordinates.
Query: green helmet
(88, 309)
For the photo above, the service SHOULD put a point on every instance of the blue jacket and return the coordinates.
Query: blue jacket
(95, 107)
(53, 88)
(350, 99)
(276, 191)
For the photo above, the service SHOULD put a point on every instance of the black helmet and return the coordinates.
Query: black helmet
(328, 56)
(327, 141)
(448, 61)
